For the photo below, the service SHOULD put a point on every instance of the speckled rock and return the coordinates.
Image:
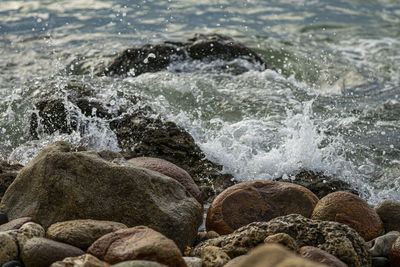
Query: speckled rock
(274, 255)
(337, 239)
(382, 244)
(389, 212)
(138, 263)
(42, 252)
(255, 201)
(82, 233)
(16, 223)
(212, 256)
(85, 260)
(47, 188)
(283, 239)
(9, 248)
(320, 256)
(349, 209)
(171, 170)
(394, 255)
(193, 261)
(137, 243)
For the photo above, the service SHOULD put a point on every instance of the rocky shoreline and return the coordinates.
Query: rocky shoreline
(70, 206)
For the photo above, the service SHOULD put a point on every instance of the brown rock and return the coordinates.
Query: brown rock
(349, 209)
(82, 233)
(85, 260)
(283, 239)
(42, 252)
(389, 212)
(320, 256)
(137, 243)
(8, 172)
(16, 224)
(255, 201)
(274, 255)
(214, 257)
(395, 253)
(171, 170)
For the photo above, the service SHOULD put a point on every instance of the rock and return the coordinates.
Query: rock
(137, 243)
(234, 261)
(16, 223)
(320, 256)
(153, 58)
(171, 170)
(48, 188)
(212, 256)
(380, 262)
(85, 260)
(203, 236)
(138, 263)
(9, 248)
(394, 255)
(389, 212)
(382, 245)
(42, 252)
(3, 218)
(255, 201)
(274, 255)
(337, 239)
(193, 261)
(8, 172)
(82, 233)
(318, 183)
(284, 240)
(351, 210)
(13, 264)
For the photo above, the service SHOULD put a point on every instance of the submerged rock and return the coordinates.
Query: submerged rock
(60, 185)
(156, 57)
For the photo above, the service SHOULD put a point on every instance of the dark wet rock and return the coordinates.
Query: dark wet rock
(257, 201)
(337, 239)
(3, 218)
(318, 183)
(8, 172)
(389, 212)
(60, 185)
(349, 209)
(14, 263)
(156, 57)
(320, 256)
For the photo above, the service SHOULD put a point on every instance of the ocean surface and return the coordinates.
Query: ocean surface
(330, 104)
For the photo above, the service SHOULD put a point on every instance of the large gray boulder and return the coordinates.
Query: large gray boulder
(61, 184)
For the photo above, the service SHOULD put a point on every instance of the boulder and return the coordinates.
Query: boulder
(16, 223)
(8, 172)
(42, 252)
(382, 245)
(156, 57)
(337, 239)
(284, 240)
(318, 183)
(81, 233)
(389, 212)
(320, 256)
(137, 243)
(255, 201)
(349, 209)
(9, 248)
(394, 255)
(60, 185)
(212, 256)
(274, 255)
(85, 260)
(171, 170)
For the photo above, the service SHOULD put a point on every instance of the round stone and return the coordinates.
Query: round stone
(389, 212)
(320, 256)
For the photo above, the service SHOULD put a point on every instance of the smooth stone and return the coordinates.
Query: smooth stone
(380, 262)
(42, 252)
(349, 209)
(25, 232)
(9, 248)
(14, 263)
(234, 261)
(8, 172)
(274, 255)
(171, 170)
(193, 261)
(256, 201)
(394, 255)
(320, 256)
(212, 256)
(138, 263)
(137, 243)
(85, 260)
(284, 240)
(119, 192)
(337, 239)
(389, 212)
(382, 245)
(3, 218)
(16, 223)
(82, 233)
